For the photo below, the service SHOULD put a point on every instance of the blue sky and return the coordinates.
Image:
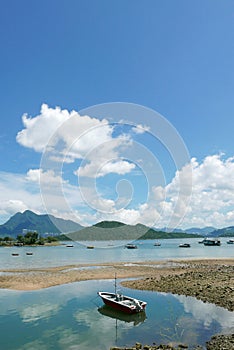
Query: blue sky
(174, 57)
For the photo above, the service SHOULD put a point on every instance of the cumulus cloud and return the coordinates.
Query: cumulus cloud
(64, 137)
(212, 200)
(97, 149)
(211, 203)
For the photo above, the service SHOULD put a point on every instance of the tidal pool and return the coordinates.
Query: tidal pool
(72, 317)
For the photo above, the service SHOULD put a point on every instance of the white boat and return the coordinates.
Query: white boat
(231, 241)
(212, 242)
(122, 302)
(184, 245)
(131, 246)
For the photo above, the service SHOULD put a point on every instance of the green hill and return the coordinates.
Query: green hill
(113, 230)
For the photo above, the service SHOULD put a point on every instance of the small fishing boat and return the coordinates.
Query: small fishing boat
(231, 241)
(131, 246)
(90, 247)
(212, 242)
(15, 254)
(184, 245)
(157, 244)
(29, 253)
(122, 302)
(69, 245)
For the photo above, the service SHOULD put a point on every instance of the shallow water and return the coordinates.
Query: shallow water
(62, 255)
(72, 316)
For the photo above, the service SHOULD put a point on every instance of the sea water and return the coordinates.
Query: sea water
(110, 252)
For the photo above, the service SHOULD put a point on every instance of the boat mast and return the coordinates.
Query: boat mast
(115, 283)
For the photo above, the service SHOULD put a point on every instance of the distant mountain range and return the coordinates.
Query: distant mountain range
(34, 222)
(224, 232)
(194, 230)
(105, 230)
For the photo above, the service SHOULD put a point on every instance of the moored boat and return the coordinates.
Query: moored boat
(231, 241)
(131, 246)
(184, 245)
(122, 302)
(212, 242)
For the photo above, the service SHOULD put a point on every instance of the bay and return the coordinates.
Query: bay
(110, 252)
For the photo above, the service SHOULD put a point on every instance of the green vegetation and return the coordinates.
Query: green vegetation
(152, 234)
(112, 230)
(30, 238)
(109, 224)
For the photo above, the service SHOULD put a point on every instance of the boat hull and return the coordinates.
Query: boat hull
(127, 305)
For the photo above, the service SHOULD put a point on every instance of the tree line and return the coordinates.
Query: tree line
(30, 238)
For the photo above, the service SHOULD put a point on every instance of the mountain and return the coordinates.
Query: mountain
(194, 230)
(201, 231)
(40, 223)
(113, 230)
(223, 232)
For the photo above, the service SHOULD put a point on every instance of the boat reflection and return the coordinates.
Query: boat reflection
(118, 315)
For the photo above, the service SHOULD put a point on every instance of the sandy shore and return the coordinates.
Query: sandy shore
(210, 280)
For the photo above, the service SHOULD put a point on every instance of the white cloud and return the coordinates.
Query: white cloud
(64, 137)
(212, 201)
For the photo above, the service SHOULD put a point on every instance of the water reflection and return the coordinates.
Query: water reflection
(207, 313)
(136, 319)
(72, 316)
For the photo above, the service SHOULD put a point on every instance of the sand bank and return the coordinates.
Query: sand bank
(210, 280)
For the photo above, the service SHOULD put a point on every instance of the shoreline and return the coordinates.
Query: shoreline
(211, 280)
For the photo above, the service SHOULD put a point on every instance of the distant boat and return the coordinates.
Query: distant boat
(90, 247)
(15, 254)
(29, 253)
(231, 241)
(69, 245)
(131, 246)
(184, 245)
(122, 302)
(157, 244)
(212, 242)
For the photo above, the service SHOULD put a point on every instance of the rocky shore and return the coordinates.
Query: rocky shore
(217, 342)
(209, 281)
